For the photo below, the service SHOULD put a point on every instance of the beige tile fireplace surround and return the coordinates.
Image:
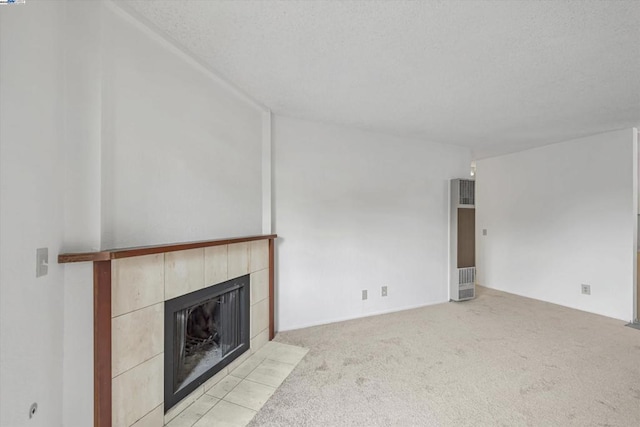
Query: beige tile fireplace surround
(141, 280)
(140, 286)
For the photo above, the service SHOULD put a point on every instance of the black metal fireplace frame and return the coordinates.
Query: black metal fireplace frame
(241, 283)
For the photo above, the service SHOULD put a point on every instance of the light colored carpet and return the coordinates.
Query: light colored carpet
(497, 360)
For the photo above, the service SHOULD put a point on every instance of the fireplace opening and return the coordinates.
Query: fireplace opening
(204, 332)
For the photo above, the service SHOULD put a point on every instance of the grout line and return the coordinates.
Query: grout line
(244, 407)
(249, 371)
(181, 412)
(233, 388)
(137, 309)
(224, 372)
(267, 385)
(133, 367)
(138, 420)
(262, 405)
(259, 301)
(189, 405)
(205, 412)
(193, 403)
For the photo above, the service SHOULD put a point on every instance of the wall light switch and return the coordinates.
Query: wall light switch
(484, 231)
(42, 262)
(364, 294)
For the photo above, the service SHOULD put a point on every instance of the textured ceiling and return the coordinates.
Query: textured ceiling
(495, 76)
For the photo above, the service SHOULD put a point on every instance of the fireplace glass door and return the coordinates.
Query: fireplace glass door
(205, 331)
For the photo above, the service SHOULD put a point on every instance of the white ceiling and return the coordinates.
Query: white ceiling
(496, 76)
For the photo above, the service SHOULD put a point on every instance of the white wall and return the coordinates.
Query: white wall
(109, 136)
(557, 217)
(181, 152)
(357, 210)
(31, 211)
(81, 191)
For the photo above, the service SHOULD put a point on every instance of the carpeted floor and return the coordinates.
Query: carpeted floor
(497, 360)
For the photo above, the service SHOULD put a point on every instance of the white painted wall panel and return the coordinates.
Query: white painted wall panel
(357, 210)
(82, 213)
(109, 136)
(181, 152)
(31, 212)
(557, 217)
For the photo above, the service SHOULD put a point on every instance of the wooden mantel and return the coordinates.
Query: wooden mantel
(102, 345)
(110, 254)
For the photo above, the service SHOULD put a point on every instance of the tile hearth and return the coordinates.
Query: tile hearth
(237, 397)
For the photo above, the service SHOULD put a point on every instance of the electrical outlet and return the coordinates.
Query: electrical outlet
(384, 291)
(364, 294)
(586, 289)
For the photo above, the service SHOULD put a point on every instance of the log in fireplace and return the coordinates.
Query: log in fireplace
(204, 332)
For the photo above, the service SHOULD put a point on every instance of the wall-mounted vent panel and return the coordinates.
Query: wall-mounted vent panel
(467, 195)
(467, 294)
(466, 276)
(462, 257)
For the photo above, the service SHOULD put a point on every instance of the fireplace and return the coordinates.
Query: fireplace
(131, 287)
(204, 332)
